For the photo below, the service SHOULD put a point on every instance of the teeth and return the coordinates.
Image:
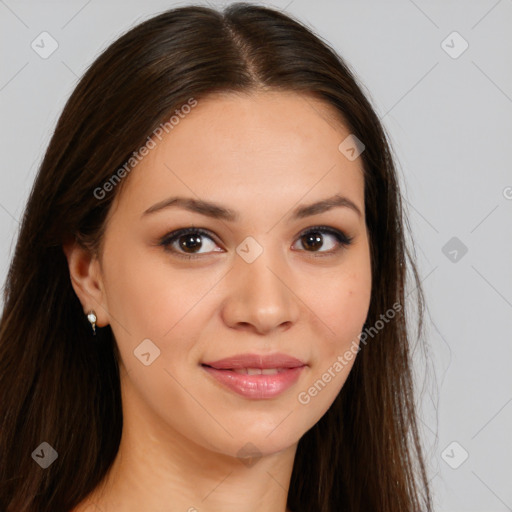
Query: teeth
(257, 371)
(242, 371)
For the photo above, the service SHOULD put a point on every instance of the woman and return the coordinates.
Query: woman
(205, 309)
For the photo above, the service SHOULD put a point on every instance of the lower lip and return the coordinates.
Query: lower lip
(256, 386)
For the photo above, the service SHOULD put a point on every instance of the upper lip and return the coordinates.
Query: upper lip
(256, 361)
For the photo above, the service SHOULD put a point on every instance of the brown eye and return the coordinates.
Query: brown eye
(317, 238)
(188, 242)
(312, 241)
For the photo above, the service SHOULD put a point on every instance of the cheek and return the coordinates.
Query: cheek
(148, 297)
(342, 307)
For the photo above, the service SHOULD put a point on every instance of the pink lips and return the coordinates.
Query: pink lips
(256, 376)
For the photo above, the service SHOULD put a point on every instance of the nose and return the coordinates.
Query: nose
(260, 298)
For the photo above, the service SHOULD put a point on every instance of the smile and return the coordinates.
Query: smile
(256, 376)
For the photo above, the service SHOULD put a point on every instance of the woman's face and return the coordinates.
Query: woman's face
(256, 282)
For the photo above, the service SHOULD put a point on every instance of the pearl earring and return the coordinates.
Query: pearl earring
(92, 319)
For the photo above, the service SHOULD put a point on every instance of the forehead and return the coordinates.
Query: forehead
(278, 146)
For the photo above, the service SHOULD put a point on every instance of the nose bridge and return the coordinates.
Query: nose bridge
(262, 276)
(258, 294)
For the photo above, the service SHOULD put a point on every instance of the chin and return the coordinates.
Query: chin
(257, 436)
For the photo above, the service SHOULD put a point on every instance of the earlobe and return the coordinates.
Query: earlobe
(85, 275)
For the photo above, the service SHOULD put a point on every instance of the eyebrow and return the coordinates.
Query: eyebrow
(216, 211)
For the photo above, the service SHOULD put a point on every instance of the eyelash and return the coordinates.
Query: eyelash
(343, 239)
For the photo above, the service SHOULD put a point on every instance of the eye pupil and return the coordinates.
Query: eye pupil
(313, 240)
(190, 242)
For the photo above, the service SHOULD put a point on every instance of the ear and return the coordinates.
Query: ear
(86, 279)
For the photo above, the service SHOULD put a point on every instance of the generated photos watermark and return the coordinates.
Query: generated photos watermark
(304, 397)
(143, 151)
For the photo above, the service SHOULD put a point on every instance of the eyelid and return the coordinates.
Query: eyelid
(339, 234)
(171, 237)
(342, 238)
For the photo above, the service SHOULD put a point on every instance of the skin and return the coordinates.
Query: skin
(261, 155)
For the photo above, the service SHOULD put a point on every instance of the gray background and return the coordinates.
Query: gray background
(449, 118)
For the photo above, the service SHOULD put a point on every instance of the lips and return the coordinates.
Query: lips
(256, 376)
(258, 371)
(256, 361)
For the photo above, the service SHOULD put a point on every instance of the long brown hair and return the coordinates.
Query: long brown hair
(60, 385)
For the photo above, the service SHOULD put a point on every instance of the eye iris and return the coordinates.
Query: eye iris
(190, 242)
(313, 240)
